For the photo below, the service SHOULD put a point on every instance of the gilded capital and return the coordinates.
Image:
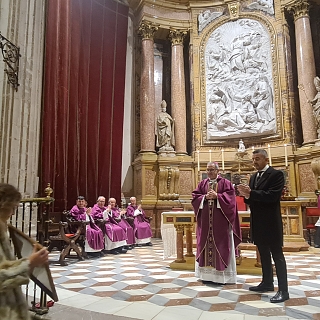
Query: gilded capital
(299, 9)
(177, 36)
(147, 29)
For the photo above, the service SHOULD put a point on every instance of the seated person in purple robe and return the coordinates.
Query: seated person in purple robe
(115, 236)
(218, 228)
(120, 217)
(94, 235)
(142, 229)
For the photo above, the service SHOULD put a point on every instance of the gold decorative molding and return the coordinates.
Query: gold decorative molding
(299, 9)
(147, 30)
(234, 10)
(200, 134)
(177, 36)
(168, 183)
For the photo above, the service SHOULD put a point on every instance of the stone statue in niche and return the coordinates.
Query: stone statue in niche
(315, 102)
(239, 81)
(165, 130)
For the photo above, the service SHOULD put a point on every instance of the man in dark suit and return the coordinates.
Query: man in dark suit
(263, 195)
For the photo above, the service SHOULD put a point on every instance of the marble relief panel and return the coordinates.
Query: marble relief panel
(150, 183)
(138, 184)
(186, 186)
(239, 88)
(306, 176)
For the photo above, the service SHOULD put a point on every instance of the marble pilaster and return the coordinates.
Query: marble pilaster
(147, 93)
(178, 98)
(23, 23)
(306, 68)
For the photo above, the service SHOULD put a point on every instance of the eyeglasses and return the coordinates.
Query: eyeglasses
(211, 170)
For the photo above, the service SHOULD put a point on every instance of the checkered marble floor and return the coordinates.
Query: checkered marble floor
(139, 285)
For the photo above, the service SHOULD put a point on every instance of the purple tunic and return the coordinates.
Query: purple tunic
(114, 232)
(213, 239)
(94, 234)
(124, 225)
(142, 229)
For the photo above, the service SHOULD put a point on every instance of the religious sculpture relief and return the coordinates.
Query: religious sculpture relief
(239, 83)
(205, 17)
(315, 102)
(165, 130)
(262, 5)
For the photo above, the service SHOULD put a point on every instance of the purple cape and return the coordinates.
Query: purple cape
(142, 227)
(94, 234)
(221, 220)
(114, 232)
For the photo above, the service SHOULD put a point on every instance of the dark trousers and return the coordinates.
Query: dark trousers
(280, 263)
(317, 237)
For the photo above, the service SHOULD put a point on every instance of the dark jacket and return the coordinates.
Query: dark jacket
(266, 221)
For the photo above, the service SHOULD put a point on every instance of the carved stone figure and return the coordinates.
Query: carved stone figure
(316, 103)
(263, 5)
(206, 17)
(242, 147)
(165, 129)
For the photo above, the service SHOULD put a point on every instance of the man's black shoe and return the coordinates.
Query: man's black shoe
(122, 250)
(262, 288)
(149, 244)
(280, 296)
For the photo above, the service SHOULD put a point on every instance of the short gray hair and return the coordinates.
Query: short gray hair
(213, 164)
(262, 152)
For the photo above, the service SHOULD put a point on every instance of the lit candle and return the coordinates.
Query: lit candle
(198, 152)
(222, 159)
(269, 154)
(210, 156)
(252, 148)
(285, 155)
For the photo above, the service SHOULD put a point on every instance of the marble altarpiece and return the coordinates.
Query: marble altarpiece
(240, 76)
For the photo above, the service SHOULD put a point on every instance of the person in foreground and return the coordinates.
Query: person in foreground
(142, 229)
(218, 229)
(94, 242)
(263, 195)
(13, 272)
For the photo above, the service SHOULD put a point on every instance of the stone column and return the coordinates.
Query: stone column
(147, 109)
(178, 98)
(306, 68)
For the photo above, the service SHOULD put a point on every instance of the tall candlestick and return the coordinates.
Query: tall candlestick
(222, 159)
(210, 159)
(269, 154)
(285, 155)
(198, 152)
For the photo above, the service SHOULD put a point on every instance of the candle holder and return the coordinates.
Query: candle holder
(286, 195)
(199, 176)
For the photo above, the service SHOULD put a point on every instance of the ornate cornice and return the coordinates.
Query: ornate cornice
(299, 9)
(147, 29)
(177, 36)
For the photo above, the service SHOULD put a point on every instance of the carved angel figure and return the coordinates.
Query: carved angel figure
(315, 102)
